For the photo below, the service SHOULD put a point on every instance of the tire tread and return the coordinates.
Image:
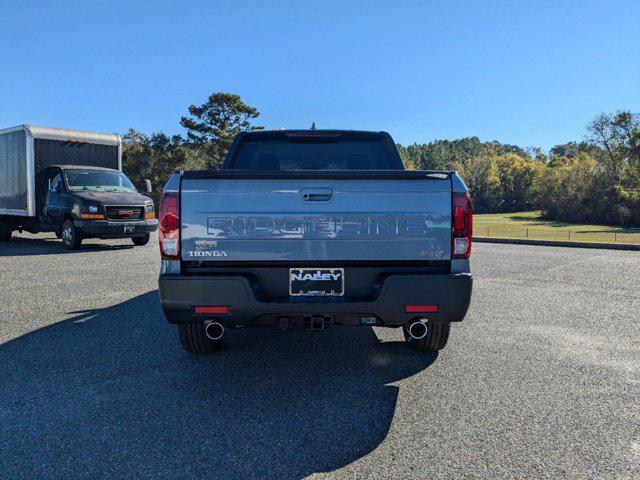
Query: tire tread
(436, 338)
(140, 241)
(194, 340)
(77, 239)
(5, 232)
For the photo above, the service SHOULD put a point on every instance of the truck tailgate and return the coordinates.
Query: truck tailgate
(315, 219)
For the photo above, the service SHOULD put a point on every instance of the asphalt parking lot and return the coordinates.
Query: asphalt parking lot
(542, 380)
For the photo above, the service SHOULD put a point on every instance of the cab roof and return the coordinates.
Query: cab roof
(310, 133)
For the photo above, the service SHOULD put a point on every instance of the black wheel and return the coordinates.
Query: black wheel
(194, 340)
(5, 233)
(70, 236)
(435, 339)
(139, 241)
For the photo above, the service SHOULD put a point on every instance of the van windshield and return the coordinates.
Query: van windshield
(98, 180)
(314, 153)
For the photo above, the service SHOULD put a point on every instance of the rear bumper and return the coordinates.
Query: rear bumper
(110, 229)
(179, 295)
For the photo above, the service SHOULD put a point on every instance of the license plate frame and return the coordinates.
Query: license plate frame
(129, 229)
(316, 286)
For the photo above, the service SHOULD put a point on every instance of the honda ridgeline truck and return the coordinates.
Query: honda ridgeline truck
(314, 228)
(69, 182)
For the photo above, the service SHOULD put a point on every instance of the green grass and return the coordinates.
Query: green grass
(531, 225)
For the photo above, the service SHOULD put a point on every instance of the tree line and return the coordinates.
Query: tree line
(595, 180)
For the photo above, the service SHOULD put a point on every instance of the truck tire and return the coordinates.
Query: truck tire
(70, 236)
(139, 241)
(436, 338)
(5, 233)
(194, 340)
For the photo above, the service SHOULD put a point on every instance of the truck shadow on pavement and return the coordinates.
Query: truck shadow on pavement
(110, 393)
(25, 246)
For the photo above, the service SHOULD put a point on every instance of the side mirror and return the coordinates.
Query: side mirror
(147, 186)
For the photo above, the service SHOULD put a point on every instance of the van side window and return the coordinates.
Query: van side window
(55, 183)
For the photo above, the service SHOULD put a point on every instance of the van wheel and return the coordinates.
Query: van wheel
(5, 233)
(436, 338)
(139, 241)
(70, 236)
(194, 340)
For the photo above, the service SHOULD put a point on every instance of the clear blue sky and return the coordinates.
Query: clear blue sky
(529, 73)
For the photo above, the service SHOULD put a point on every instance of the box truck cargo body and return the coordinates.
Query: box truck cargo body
(69, 182)
(26, 151)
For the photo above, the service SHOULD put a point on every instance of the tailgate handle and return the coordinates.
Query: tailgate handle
(317, 194)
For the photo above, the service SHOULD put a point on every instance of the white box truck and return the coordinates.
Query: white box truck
(69, 182)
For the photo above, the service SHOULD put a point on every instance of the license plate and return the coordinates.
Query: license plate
(316, 282)
(129, 229)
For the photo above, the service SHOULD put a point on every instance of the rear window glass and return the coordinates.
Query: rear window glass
(316, 154)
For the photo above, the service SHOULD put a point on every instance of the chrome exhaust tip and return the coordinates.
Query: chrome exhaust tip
(213, 330)
(418, 329)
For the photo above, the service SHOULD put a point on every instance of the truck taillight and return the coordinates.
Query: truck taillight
(461, 225)
(169, 227)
